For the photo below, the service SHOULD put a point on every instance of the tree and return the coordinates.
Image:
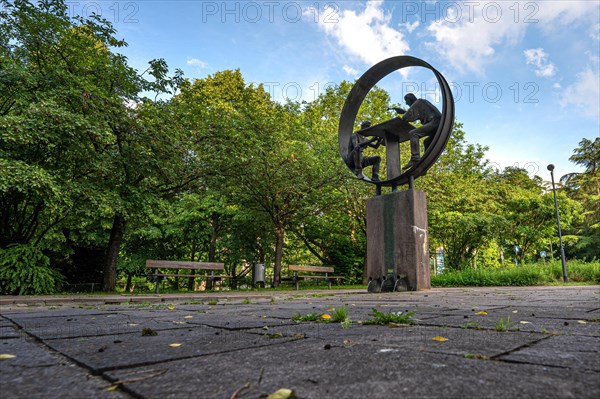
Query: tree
(585, 188)
(76, 135)
(462, 205)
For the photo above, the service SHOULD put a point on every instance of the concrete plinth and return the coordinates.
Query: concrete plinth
(397, 243)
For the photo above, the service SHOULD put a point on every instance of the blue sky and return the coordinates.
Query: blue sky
(525, 74)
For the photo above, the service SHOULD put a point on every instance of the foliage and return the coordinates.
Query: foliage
(503, 325)
(340, 315)
(390, 318)
(305, 317)
(25, 270)
(585, 188)
(527, 275)
(91, 167)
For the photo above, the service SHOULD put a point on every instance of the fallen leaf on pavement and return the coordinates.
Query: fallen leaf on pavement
(439, 338)
(5, 356)
(283, 393)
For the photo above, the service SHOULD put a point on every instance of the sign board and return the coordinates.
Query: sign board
(543, 254)
(439, 260)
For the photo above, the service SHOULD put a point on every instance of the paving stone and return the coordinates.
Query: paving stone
(520, 322)
(248, 338)
(126, 350)
(575, 352)
(80, 325)
(8, 331)
(358, 371)
(34, 373)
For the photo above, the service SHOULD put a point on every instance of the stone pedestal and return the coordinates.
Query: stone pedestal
(397, 242)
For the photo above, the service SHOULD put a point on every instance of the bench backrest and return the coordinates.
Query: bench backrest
(174, 264)
(314, 269)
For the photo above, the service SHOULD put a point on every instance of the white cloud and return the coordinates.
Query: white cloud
(595, 32)
(555, 15)
(470, 42)
(584, 94)
(367, 34)
(350, 71)
(196, 62)
(411, 27)
(539, 58)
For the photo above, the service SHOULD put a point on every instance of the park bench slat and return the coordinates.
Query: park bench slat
(176, 265)
(320, 269)
(313, 269)
(173, 264)
(190, 275)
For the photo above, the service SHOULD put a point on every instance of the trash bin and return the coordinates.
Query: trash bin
(258, 275)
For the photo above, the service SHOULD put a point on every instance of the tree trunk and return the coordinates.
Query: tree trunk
(212, 245)
(128, 285)
(279, 236)
(114, 245)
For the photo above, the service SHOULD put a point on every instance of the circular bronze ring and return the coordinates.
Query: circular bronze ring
(361, 89)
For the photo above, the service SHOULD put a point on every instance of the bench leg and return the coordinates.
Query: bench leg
(158, 279)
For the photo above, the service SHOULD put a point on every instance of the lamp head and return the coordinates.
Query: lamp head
(550, 167)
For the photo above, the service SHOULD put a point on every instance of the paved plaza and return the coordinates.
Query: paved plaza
(246, 345)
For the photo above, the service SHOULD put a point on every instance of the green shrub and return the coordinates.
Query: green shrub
(25, 270)
(534, 274)
(577, 271)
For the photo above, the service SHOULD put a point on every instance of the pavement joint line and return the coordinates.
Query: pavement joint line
(64, 358)
(518, 348)
(103, 370)
(554, 366)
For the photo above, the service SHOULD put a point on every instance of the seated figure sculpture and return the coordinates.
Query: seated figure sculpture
(356, 160)
(430, 118)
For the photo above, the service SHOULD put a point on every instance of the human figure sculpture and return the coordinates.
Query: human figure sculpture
(356, 160)
(430, 118)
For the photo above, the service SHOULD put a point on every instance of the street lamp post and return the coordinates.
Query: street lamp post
(562, 249)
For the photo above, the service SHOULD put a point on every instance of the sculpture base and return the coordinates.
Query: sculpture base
(397, 242)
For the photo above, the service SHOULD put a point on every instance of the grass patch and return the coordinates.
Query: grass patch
(535, 274)
(306, 317)
(471, 325)
(475, 356)
(390, 317)
(503, 325)
(339, 315)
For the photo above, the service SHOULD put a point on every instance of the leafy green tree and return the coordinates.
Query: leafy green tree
(76, 135)
(585, 188)
(462, 205)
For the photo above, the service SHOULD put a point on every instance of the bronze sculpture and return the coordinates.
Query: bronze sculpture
(357, 161)
(397, 230)
(397, 130)
(429, 116)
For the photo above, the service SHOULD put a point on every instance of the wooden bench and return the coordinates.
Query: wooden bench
(192, 266)
(312, 269)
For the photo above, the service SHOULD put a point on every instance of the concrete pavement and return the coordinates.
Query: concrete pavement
(246, 345)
